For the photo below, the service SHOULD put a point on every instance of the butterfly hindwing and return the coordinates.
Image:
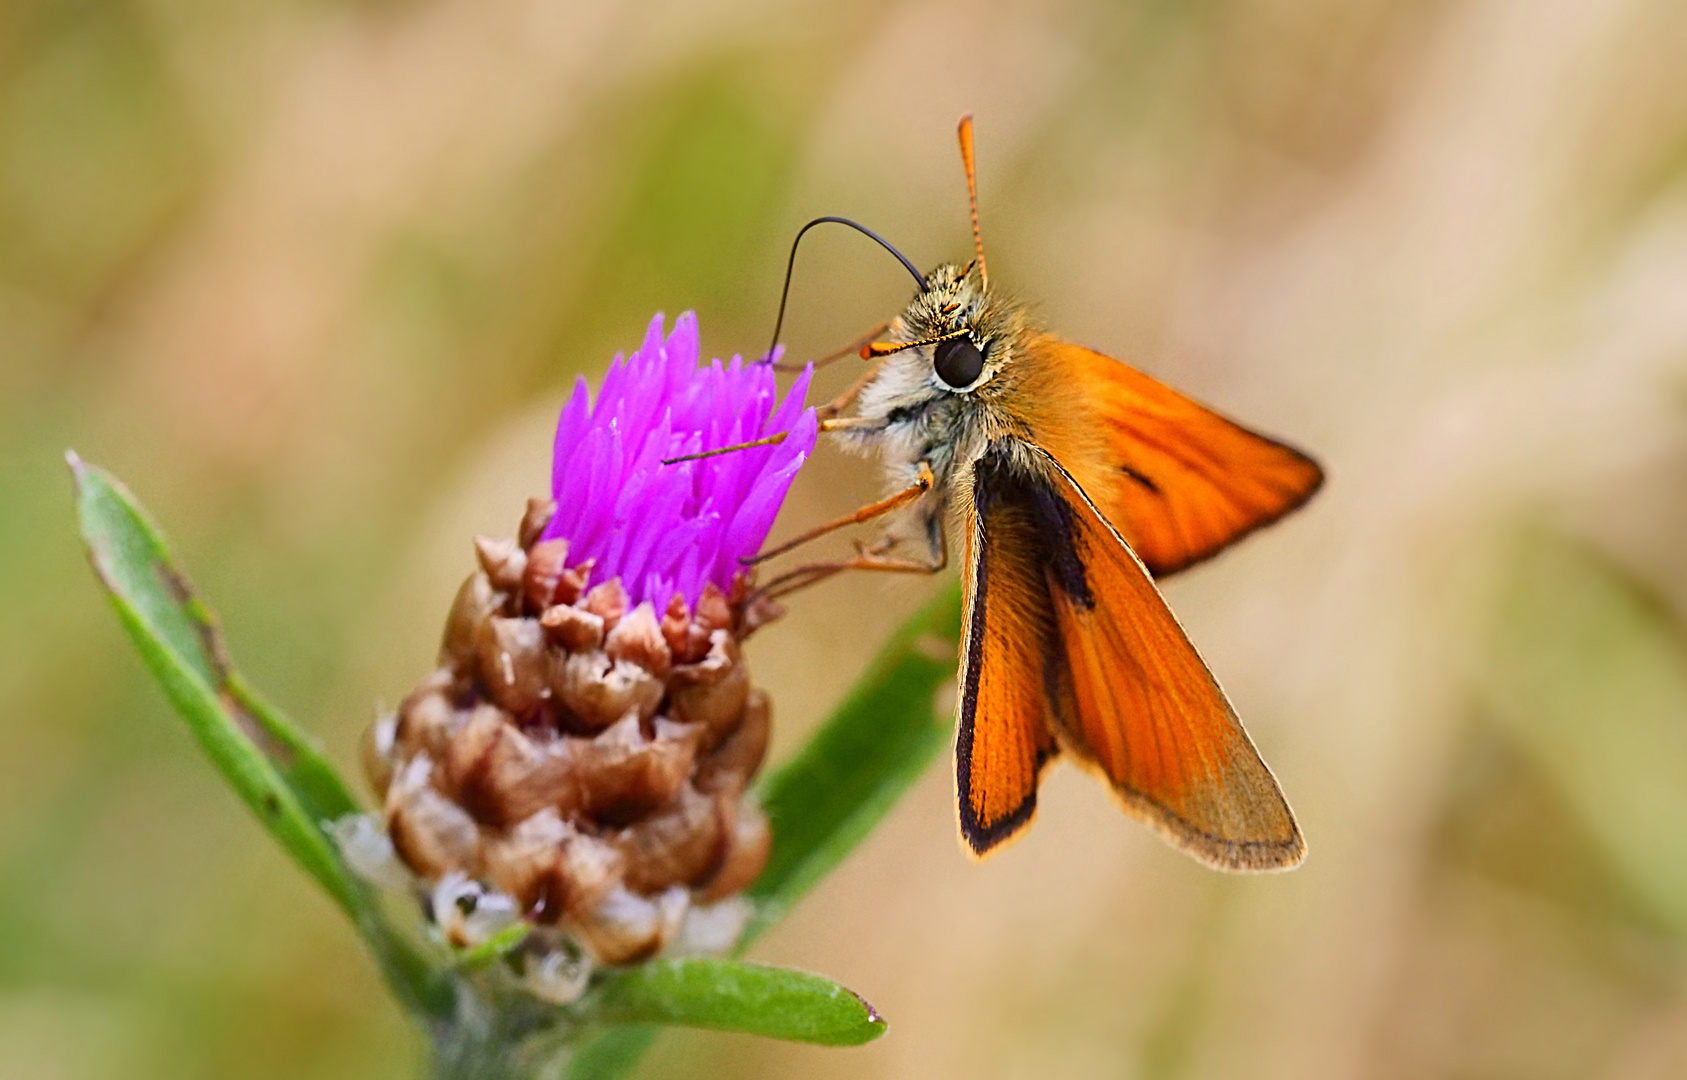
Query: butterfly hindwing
(1095, 654)
(1178, 480)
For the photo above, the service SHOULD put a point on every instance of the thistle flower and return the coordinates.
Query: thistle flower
(580, 758)
(674, 529)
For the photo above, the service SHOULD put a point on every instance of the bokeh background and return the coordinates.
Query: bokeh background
(314, 275)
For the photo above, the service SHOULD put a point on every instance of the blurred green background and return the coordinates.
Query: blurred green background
(314, 276)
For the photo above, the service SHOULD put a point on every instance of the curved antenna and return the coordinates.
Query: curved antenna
(972, 198)
(791, 264)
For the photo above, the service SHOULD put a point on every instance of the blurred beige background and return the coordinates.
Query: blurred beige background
(314, 277)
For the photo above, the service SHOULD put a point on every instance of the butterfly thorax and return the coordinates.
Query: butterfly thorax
(920, 417)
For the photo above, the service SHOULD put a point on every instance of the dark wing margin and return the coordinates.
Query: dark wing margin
(1004, 736)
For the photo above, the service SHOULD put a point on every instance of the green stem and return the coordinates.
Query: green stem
(500, 1037)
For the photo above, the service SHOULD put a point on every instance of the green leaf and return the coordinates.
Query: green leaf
(276, 770)
(827, 798)
(130, 555)
(180, 644)
(302, 761)
(1589, 676)
(727, 995)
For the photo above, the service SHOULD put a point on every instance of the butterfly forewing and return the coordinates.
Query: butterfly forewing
(1178, 480)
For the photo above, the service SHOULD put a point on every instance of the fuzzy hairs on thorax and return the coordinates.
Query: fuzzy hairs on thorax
(915, 413)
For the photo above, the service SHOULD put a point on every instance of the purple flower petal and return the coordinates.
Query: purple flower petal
(673, 529)
(569, 428)
(753, 517)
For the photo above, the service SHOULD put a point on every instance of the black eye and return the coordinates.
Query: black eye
(958, 362)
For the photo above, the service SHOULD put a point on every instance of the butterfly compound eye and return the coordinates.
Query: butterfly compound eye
(958, 362)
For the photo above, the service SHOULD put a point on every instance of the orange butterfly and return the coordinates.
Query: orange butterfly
(1076, 480)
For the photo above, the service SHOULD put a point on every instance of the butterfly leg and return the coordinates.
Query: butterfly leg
(868, 558)
(828, 414)
(866, 513)
(847, 398)
(853, 347)
(826, 424)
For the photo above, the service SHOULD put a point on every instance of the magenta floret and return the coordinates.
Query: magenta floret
(666, 529)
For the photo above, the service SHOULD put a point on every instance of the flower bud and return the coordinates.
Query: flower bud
(574, 776)
(580, 759)
(505, 564)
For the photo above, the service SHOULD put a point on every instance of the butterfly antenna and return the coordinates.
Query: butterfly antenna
(972, 198)
(791, 265)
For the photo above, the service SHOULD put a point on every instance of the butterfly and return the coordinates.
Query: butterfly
(1075, 481)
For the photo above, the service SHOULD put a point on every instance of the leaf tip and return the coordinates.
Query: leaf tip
(78, 467)
(876, 1023)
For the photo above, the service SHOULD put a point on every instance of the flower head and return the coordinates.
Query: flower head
(581, 759)
(674, 528)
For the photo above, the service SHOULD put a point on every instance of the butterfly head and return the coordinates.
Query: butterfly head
(940, 394)
(956, 334)
(964, 340)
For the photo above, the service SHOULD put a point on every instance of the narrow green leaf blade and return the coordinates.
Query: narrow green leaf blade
(276, 771)
(133, 561)
(299, 758)
(727, 995)
(827, 798)
(177, 640)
